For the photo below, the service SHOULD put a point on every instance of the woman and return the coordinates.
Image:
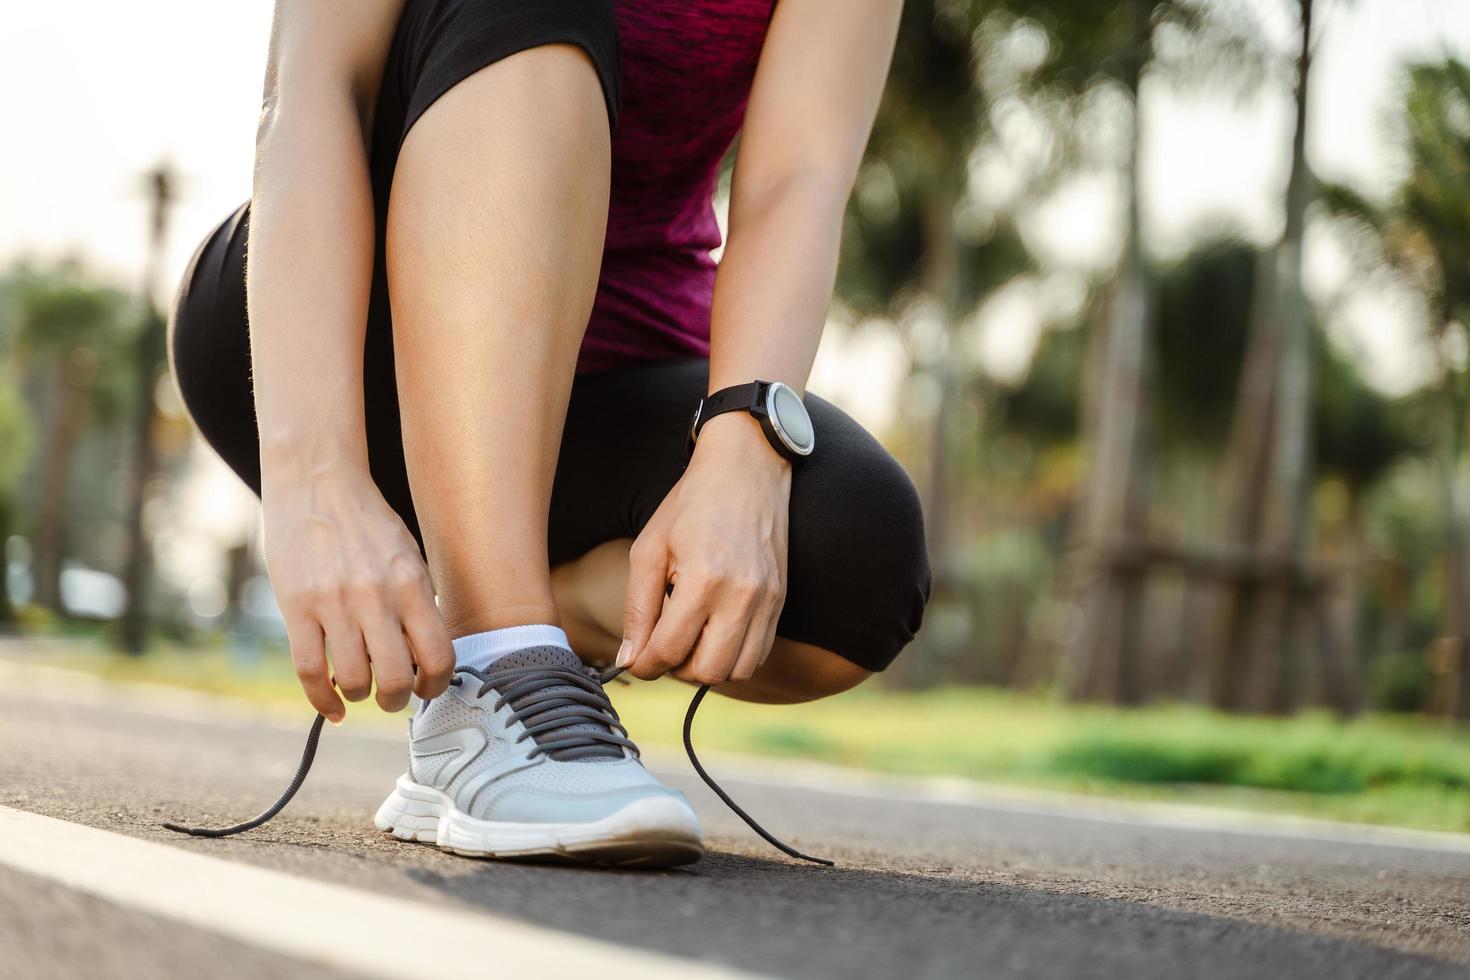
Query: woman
(481, 314)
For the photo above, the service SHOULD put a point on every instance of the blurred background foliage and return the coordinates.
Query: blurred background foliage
(1189, 492)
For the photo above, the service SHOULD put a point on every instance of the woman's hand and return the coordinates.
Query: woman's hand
(346, 571)
(720, 538)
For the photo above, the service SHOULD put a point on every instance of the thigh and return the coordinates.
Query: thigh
(858, 573)
(440, 43)
(209, 347)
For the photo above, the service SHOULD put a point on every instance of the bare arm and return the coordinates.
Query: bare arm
(811, 110)
(346, 572)
(721, 534)
(310, 255)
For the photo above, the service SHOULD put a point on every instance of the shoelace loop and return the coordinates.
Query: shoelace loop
(564, 711)
(553, 714)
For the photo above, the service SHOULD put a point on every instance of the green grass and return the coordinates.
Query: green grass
(1405, 771)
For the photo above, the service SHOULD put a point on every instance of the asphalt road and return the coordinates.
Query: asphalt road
(923, 888)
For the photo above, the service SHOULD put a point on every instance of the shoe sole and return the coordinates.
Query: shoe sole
(652, 833)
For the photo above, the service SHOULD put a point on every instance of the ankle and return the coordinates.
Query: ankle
(478, 651)
(463, 620)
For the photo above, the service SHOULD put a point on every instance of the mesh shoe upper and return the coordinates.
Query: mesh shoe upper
(528, 742)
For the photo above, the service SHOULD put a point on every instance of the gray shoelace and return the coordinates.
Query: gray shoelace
(564, 711)
(571, 718)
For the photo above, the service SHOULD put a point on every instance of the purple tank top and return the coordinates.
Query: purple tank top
(687, 70)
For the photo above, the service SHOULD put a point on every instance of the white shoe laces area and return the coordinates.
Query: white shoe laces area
(577, 721)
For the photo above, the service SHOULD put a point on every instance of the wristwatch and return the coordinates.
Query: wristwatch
(779, 410)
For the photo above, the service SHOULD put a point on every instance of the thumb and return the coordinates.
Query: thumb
(648, 566)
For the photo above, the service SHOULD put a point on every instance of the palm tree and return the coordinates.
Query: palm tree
(65, 329)
(149, 358)
(937, 113)
(1118, 45)
(1268, 466)
(1421, 234)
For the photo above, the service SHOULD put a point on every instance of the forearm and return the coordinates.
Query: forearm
(774, 285)
(309, 268)
(811, 108)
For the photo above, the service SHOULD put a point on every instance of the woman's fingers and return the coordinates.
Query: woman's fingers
(713, 627)
(309, 658)
(350, 668)
(758, 642)
(677, 630)
(753, 647)
(743, 607)
(372, 648)
(717, 651)
(648, 578)
(428, 641)
(391, 664)
(354, 590)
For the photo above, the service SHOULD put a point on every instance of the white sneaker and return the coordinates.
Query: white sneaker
(528, 759)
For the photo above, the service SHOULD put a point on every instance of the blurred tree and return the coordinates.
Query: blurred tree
(925, 234)
(1268, 467)
(66, 329)
(1201, 330)
(1116, 46)
(149, 363)
(1358, 434)
(1206, 303)
(17, 436)
(1046, 404)
(1203, 319)
(1422, 234)
(1107, 586)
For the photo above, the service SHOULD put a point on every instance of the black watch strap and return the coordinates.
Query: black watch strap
(738, 398)
(741, 398)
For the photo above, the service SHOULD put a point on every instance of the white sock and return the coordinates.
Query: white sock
(479, 650)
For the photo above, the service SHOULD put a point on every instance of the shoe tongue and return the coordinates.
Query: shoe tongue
(548, 656)
(554, 656)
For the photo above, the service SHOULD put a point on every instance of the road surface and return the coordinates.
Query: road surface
(974, 886)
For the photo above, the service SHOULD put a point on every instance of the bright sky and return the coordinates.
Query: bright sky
(99, 91)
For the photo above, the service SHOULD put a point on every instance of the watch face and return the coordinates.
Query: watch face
(792, 421)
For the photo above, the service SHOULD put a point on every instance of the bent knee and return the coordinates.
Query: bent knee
(859, 559)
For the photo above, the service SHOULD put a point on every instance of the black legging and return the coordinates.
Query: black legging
(858, 573)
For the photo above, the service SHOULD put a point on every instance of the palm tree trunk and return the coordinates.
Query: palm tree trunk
(66, 420)
(1349, 615)
(1228, 646)
(1108, 579)
(133, 631)
(7, 604)
(1290, 480)
(1269, 466)
(150, 353)
(1453, 662)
